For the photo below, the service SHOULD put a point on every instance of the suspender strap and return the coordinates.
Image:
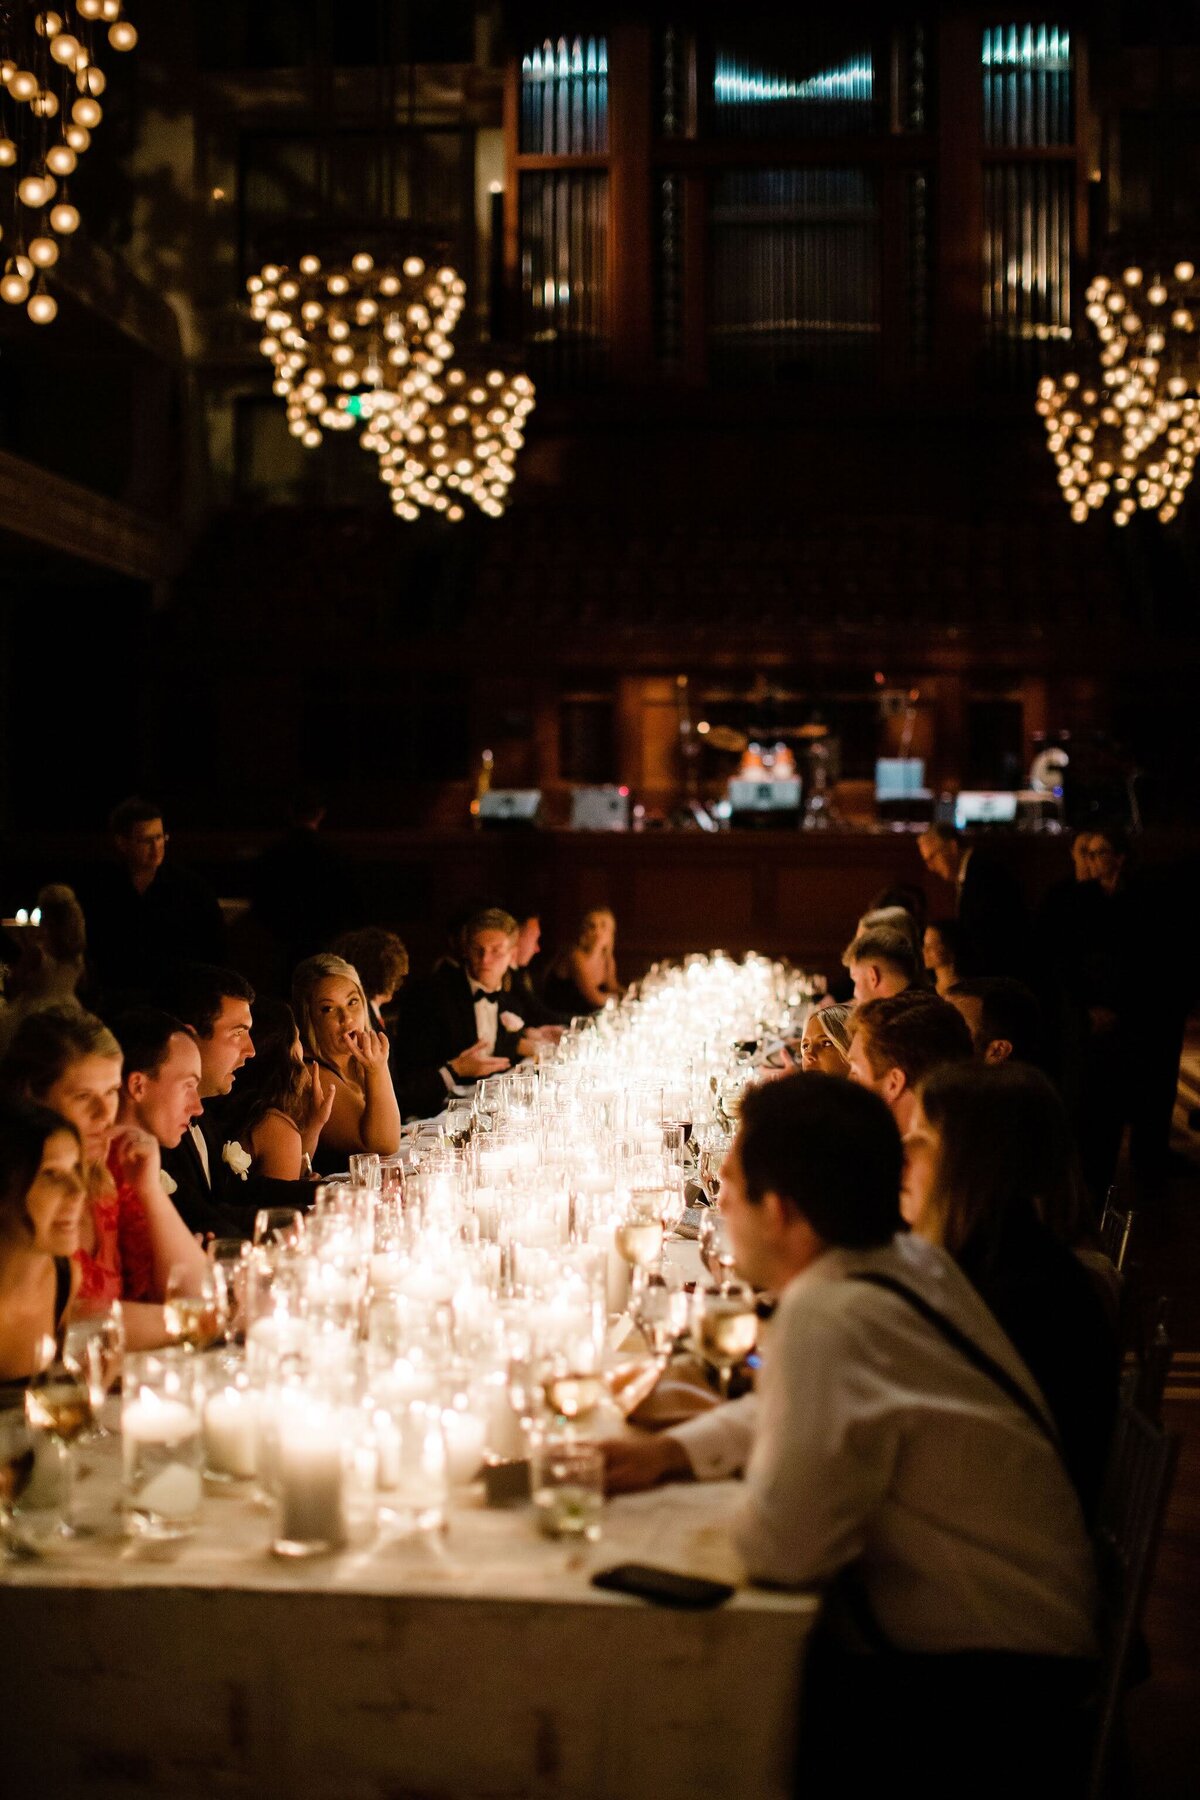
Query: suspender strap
(968, 1348)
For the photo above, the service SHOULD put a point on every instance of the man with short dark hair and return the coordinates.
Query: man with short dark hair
(896, 1041)
(214, 1189)
(881, 963)
(160, 1079)
(1003, 1017)
(884, 1459)
(146, 915)
(459, 1020)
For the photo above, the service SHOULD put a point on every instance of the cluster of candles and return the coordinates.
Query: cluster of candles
(459, 1304)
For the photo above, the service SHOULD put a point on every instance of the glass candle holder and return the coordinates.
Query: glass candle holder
(161, 1443)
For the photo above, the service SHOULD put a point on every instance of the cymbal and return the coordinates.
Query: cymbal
(724, 737)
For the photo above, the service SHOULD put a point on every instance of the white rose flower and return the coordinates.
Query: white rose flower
(238, 1158)
(511, 1022)
(169, 1183)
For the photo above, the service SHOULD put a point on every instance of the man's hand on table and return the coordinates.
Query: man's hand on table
(634, 1463)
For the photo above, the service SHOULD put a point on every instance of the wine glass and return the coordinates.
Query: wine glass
(232, 1257)
(195, 1312)
(708, 1172)
(279, 1225)
(725, 1326)
(460, 1117)
(94, 1348)
(663, 1318)
(58, 1406)
(639, 1240)
(16, 1469)
(716, 1246)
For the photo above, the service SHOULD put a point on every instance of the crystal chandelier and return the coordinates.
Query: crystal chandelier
(50, 88)
(1126, 429)
(367, 345)
(457, 440)
(353, 327)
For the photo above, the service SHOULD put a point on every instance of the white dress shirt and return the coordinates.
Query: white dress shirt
(201, 1143)
(873, 1440)
(487, 1018)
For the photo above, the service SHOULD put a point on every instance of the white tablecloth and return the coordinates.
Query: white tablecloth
(478, 1664)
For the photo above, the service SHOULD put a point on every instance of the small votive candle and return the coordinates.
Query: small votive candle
(310, 1480)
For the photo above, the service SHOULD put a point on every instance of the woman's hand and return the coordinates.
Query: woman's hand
(137, 1159)
(318, 1104)
(371, 1048)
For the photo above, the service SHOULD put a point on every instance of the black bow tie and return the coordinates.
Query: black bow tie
(482, 994)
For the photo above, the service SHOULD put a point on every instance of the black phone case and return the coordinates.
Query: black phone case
(663, 1587)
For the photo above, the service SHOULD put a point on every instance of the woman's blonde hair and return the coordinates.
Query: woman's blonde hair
(305, 979)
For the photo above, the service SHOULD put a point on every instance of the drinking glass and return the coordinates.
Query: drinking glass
(716, 1246)
(573, 1383)
(232, 1257)
(725, 1326)
(460, 1117)
(94, 1347)
(58, 1406)
(364, 1168)
(708, 1172)
(568, 1487)
(195, 1312)
(663, 1318)
(279, 1225)
(162, 1443)
(16, 1471)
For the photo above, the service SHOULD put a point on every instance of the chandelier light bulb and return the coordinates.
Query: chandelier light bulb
(87, 112)
(43, 309)
(91, 81)
(64, 218)
(24, 85)
(43, 252)
(8, 153)
(61, 159)
(1184, 271)
(78, 138)
(110, 9)
(33, 191)
(14, 289)
(64, 49)
(89, 9)
(122, 35)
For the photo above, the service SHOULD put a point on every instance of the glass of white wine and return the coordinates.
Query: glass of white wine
(94, 1348)
(58, 1409)
(725, 1327)
(716, 1247)
(195, 1312)
(639, 1240)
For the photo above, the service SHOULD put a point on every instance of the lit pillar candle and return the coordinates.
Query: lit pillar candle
(231, 1433)
(465, 1434)
(310, 1479)
(616, 1269)
(160, 1445)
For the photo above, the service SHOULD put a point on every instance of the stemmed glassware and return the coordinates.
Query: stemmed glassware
(16, 1469)
(725, 1327)
(195, 1314)
(279, 1225)
(94, 1349)
(58, 1406)
(716, 1247)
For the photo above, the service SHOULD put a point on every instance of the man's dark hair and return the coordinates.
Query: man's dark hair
(1008, 1010)
(913, 1032)
(199, 989)
(144, 1034)
(887, 945)
(131, 812)
(830, 1149)
(1114, 834)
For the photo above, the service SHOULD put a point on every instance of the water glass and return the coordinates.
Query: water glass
(568, 1487)
(94, 1347)
(161, 1439)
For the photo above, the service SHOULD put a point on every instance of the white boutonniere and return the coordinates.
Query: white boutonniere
(511, 1022)
(169, 1183)
(238, 1158)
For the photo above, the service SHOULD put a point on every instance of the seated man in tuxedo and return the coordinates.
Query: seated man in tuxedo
(881, 963)
(459, 1020)
(520, 988)
(214, 1190)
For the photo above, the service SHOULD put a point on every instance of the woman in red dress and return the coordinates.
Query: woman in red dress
(132, 1235)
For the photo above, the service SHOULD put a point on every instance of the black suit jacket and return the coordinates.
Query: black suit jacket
(228, 1207)
(992, 920)
(436, 1022)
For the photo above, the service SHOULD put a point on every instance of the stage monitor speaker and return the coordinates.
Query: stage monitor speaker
(764, 805)
(600, 809)
(510, 809)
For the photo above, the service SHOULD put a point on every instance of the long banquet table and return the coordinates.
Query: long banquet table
(478, 1663)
